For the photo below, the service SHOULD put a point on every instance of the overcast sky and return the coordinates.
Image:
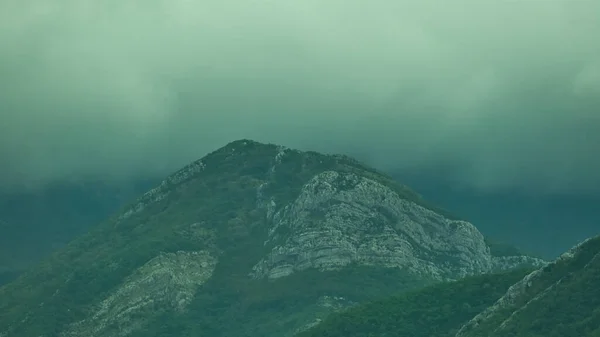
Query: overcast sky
(500, 93)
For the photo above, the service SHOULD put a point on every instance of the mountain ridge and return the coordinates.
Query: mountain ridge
(543, 291)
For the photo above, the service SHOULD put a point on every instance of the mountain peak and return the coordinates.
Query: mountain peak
(254, 221)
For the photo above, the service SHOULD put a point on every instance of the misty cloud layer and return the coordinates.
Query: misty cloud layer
(497, 93)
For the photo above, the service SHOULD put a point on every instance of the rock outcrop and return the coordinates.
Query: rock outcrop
(341, 218)
(167, 282)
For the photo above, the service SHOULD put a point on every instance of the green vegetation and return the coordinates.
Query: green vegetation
(500, 249)
(228, 307)
(436, 311)
(564, 301)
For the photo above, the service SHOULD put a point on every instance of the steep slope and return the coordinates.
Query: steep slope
(251, 240)
(434, 311)
(560, 299)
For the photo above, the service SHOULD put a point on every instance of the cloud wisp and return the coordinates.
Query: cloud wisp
(502, 94)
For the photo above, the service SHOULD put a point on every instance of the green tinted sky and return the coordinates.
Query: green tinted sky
(506, 92)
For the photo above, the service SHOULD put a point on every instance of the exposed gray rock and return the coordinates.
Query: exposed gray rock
(341, 218)
(167, 282)
(334, 302)
(517, 291)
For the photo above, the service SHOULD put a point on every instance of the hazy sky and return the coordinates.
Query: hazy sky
(500, 93)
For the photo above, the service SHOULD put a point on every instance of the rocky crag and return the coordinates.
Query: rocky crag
(340, 218)
(253, 238)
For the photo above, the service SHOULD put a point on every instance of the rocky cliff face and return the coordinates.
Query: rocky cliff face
(225, 238)
(341, 218)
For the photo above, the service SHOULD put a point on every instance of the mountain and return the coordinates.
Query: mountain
(251, 240)
(560, 299)
(36, 221)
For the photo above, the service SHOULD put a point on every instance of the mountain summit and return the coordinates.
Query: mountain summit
(251, 240)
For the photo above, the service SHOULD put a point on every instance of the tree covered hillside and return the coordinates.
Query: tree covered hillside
(435, 311)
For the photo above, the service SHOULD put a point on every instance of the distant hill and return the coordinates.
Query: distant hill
(251, 240)
(35, 222)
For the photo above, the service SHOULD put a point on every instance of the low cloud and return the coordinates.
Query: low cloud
(497, 94)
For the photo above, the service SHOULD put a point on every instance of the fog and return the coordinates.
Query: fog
(495, 94)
